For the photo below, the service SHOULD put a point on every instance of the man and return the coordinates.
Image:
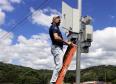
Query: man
(57, 46)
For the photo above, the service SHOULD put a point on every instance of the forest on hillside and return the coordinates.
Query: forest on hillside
(13, 74)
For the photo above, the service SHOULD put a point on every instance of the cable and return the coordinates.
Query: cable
(24, 19)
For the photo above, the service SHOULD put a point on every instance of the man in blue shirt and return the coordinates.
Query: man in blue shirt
(57, 46)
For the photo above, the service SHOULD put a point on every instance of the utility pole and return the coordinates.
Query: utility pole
(78, 54)
(80, 31)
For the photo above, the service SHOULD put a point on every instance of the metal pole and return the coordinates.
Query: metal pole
(78, 54)
(78, 57)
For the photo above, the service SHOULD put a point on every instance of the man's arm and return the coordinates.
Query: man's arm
(58, 38)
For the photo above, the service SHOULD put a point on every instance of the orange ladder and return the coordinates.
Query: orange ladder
(67, 60)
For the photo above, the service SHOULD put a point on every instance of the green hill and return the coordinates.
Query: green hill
(13, 74)
(99, 73)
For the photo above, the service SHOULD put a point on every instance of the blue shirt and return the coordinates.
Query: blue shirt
(55, 29)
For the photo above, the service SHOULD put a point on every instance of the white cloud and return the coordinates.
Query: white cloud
(103, 49)
(15, 1)
(43, 17)
(35, 52)
(5, 45)
(6, 5)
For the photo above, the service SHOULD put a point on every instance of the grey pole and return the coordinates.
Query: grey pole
(78, 54)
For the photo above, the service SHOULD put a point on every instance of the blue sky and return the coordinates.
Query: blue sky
(29, 41)
(103, 13)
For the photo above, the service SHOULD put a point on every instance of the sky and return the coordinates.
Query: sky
(28, 43)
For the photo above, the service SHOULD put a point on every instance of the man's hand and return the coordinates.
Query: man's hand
(69, 43)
